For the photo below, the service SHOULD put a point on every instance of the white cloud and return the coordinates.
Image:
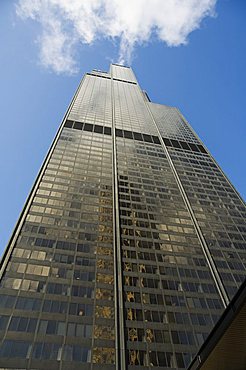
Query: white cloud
(68, 23)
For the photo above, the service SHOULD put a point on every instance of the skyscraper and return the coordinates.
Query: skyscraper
(130, 245)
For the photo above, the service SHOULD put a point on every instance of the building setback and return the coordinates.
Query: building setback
(131, 243)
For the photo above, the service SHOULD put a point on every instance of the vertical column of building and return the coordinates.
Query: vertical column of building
(164, 141)
(218, 209)
(98, 108)
(119, 309)
(16, 302)
(57, 291)
(170, 298)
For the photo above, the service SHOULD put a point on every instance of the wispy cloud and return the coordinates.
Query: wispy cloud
(68, 23)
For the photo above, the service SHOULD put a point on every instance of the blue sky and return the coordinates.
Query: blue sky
(204, 76)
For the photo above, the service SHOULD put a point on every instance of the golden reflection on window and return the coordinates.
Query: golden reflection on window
(181, 248)
(166, 247)
(141, 282)
(126, 231)
(127, 280)
(128, 266)
(22, 253)
(103, 332)
(103, 278)
(103, 355)
(133, 218)
(162, 227)
(130, 296)
(149, 335)
(105, 264)
(142, 268)
(104, 209)
(38, 255)
(105, 201)
(131, 314)
(178, 238)
(164, 236)
(38, 270)
(126, 242)
(104, 251)
(104, 294)
(104, 218)
(134, 357)
(105, 238)
(105, 229)
(132, 334)
(17, 267)
(105, 312)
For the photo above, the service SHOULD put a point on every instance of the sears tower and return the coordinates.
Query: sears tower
(130, 245)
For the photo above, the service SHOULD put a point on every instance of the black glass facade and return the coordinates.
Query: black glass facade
(130, 245)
